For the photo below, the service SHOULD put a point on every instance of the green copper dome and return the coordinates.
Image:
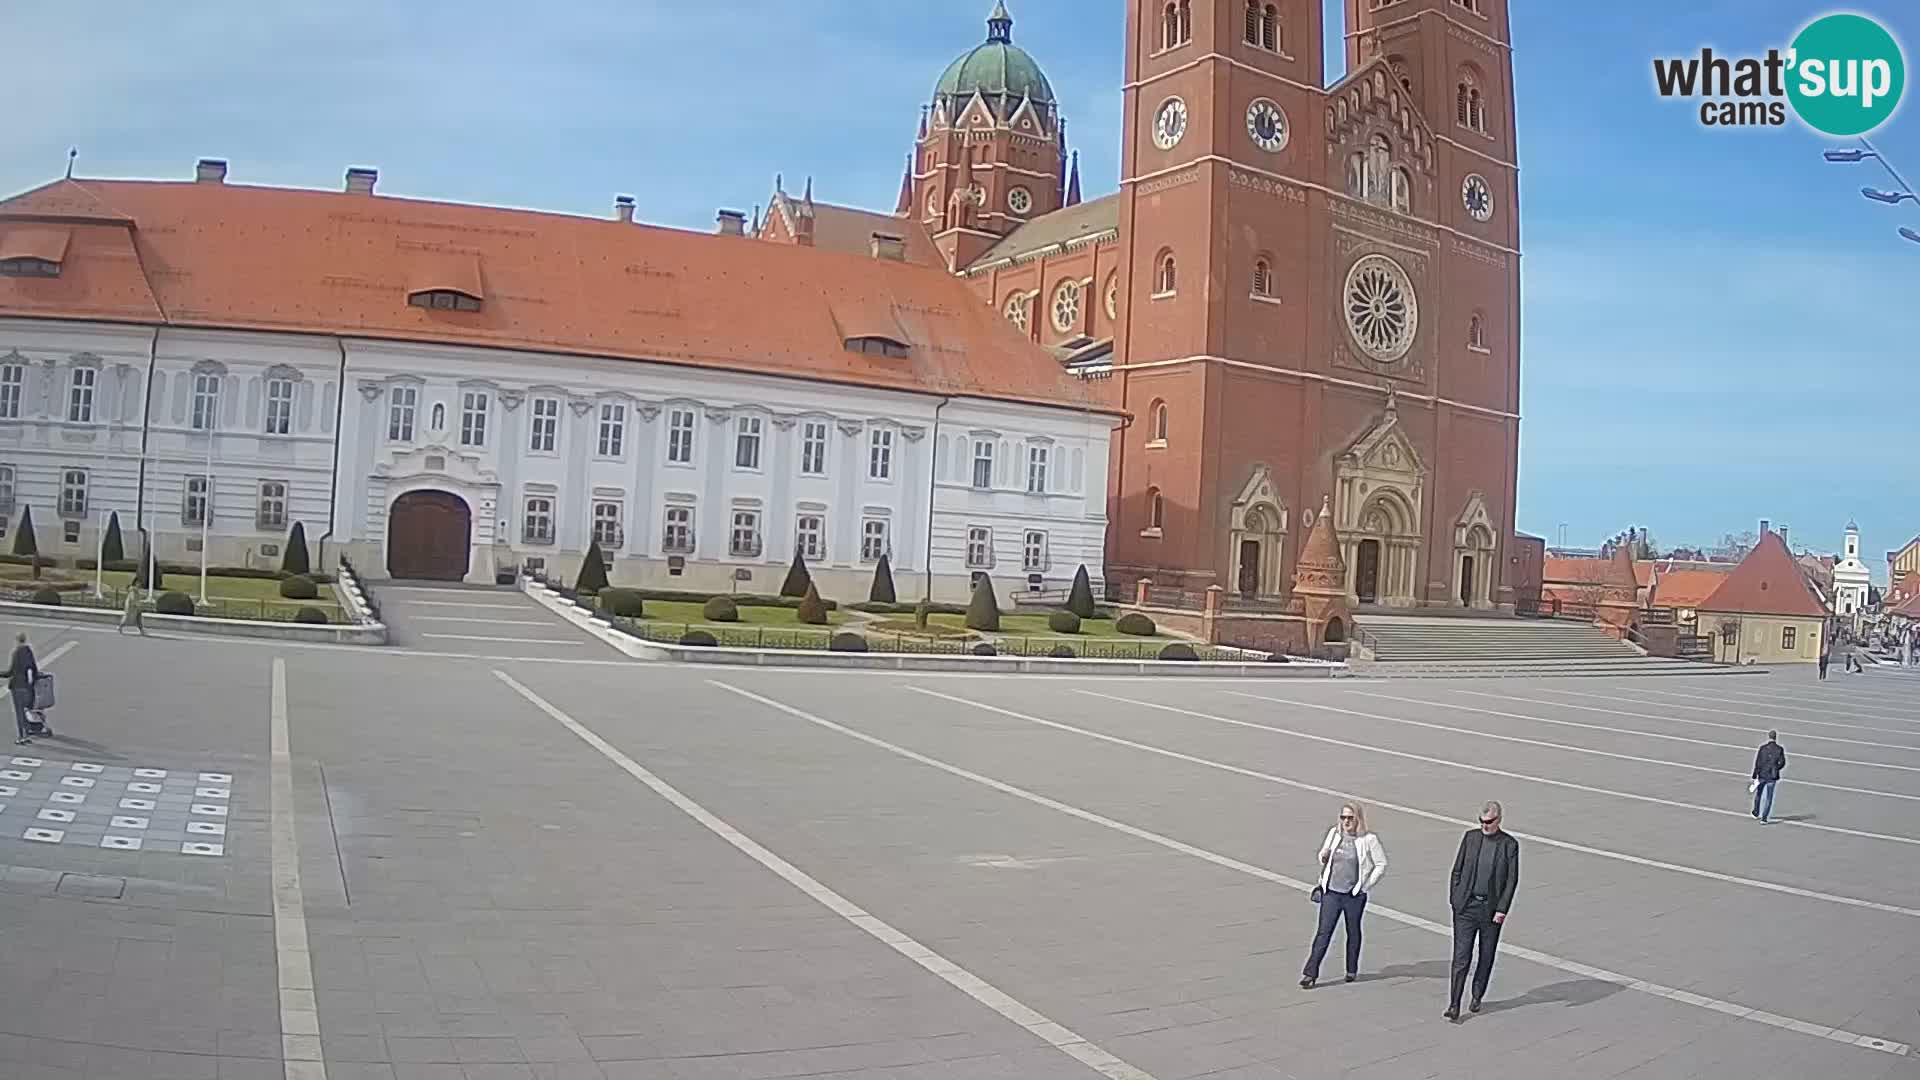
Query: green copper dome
(997, 67)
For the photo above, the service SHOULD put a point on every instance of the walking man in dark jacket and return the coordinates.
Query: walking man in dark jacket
(22, 670)
(1485, 873)
(1767, 765)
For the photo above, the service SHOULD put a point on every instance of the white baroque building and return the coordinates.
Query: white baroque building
(1851, 579)
(446, 391)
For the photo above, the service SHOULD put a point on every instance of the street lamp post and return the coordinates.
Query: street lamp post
(206, 515)
(1851, 155)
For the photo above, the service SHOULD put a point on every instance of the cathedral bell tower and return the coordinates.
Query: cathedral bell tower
(991, 153)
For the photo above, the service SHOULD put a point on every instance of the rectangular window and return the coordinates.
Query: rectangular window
(979, 548)
(279, 406)
(6, 490)
(539, 521)
(746, 445)
(813, 448)
(1787, 637)
(613, 429)
(811, 537)
(73, 493)
(745, 539)
(473, 418)
(194, 510)
(983, 463)
(546, 425)
(679, 537)
(1033, 553)
(1036, 470)
(680, 437)
(402, 403)
(271, 511)
(880, 454)
(70, 531)
(13, 378)
(873, 540)
(80, 396)
(607, 531)
(206, 400)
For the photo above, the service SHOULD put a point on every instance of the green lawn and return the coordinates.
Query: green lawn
(1035, 626)
(684, 611)
(250, 591)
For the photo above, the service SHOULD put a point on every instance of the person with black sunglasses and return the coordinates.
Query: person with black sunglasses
(1486, 871)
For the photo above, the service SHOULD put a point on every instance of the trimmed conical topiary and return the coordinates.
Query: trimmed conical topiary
(295, 560)
(1080, 597)
(882, 591)
(798, 580)
(813, 610)
(114, 547)
(983, 611)
(593, 571)
(25, 542)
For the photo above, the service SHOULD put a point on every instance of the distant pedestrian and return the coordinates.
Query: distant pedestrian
(22, 670)
(1826, 657)
(1853, 662)
(1767, 765)
(1352, 862)
(130, 613)
(1486, 871)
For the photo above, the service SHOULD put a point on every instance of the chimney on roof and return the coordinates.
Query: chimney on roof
(623, 208)
(1783, 537)
(1765, 526)
(361, 181)
(732, 223)
(210, 171)
(889, 247)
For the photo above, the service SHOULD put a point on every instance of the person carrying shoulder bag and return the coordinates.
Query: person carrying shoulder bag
(1352, 862)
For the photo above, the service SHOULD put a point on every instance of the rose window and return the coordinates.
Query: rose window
(1066, 306)
(1382, 314)
(1017, 310)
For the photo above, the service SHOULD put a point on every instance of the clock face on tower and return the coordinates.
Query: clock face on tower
(1170, 123)
(1477, 197)
(1267, 125)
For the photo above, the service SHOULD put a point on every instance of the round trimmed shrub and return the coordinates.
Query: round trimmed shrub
(1179, 650)
(847, 641)
(699, 639)
(299, 587)
(311, 616)
(47, 596)
(1278, 658)
(985, 648)
(1063, 622)
(720, 609)
(173, 603)
(1135, 624)
(623, 603)
(1063, 652)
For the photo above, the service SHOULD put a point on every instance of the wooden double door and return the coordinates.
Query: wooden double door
(429, 536)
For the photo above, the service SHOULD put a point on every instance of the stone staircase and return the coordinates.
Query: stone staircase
(1462, 646)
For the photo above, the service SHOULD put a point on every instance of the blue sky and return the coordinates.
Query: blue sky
(1717, 328)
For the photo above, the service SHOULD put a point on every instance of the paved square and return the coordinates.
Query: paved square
(594, 868)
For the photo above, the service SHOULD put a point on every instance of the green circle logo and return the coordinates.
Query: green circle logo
(1847, 75)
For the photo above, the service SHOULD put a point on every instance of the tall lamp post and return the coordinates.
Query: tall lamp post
(1905, 193)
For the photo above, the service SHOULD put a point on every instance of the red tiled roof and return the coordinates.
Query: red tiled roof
(237, 257)
(850, 229)
(1687, 589)
(1767, 582)
(1578, 571)
(27, 242)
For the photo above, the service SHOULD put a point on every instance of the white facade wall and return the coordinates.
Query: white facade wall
(496, 469)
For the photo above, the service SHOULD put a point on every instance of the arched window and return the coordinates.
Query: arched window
(1262, 277)
(1460, 111)
(1016, 310)
(439, 417)
(1253, 22)
(1166, 275)
(1186, 21)
(1402, 190)
(1357, 175)
(1476, 332)
(1375, 180)
(1176, 25)
(1469, 104)
(1476, 111)
(1156, 510)
(1158, 433)
(1270, 29)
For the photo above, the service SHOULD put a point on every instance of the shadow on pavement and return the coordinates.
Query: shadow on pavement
(1425, 969)
(1572, 993)
(1796, 817)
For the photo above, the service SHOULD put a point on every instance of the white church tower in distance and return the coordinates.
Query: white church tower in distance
(1850, 579)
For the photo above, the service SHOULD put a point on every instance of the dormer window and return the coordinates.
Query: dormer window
(29, 267)
(444, 300)
(873, 345)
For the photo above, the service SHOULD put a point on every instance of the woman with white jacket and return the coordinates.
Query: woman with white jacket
(1352, 862)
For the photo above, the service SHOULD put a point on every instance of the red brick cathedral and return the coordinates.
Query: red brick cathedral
(1300, 294)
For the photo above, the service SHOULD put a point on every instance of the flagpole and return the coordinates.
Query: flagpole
(206, 515)
(99, 556)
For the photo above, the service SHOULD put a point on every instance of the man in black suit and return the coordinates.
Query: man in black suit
(1485, 874)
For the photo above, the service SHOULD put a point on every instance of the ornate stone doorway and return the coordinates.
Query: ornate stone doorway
(1474, 555)
(1366, 572)
(1468, 589)
(1257, 537)
(1248, 581)
(1378, 485)
(429, 536)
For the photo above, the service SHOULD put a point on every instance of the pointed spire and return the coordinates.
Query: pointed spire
(1000, 24)
(923, 122)
(808, 197)
(1073, 181)
(778, 188)
(905, 205)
